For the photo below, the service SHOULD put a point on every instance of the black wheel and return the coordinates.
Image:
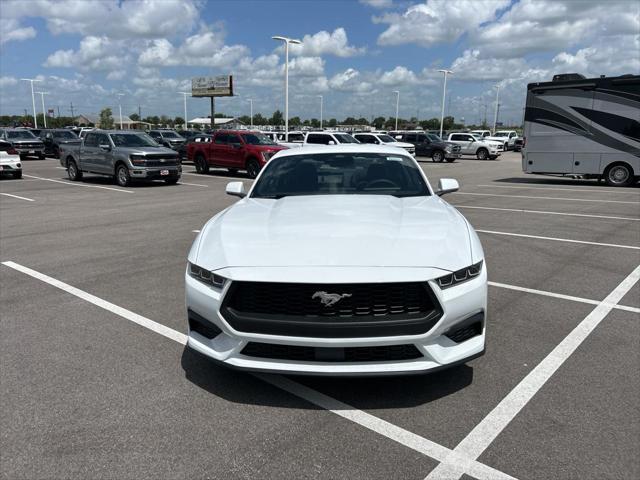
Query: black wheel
(41, 156)
(73, 171)
(482, 154)
(56, 152)
(506, 147)
(122, 176)
(450, 160)
(171, 181)
(438, 156)
(619, 175)
(253, 168)
(18, 174)
(201, 164)
(233, 171)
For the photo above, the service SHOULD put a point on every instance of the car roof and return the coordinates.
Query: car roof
(343, 148)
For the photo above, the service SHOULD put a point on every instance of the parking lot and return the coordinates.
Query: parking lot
(97, 383)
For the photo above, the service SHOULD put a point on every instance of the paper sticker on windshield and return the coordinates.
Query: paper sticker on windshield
(395, 159)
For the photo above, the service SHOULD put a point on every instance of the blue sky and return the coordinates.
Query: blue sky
(355, 53)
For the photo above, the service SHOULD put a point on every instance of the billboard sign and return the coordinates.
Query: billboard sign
(220, 86)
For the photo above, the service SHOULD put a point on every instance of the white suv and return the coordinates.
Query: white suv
(472, 145)
(9, 160)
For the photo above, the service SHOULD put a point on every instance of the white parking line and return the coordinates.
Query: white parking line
(537, 237)
(193, 184)
(375, 424)
(546, 198)
(561, 296)
(577, 189)
(17, 196)
(76, 184)
(479, 439)
(519, 210)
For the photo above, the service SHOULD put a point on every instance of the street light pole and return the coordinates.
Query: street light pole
(495, 118)
(321, 100)
(250, 100)
(44, 112)
(186, 126)
(33, 99)
(286, 41)
(397, 92)
(120, 108)
(444, 94)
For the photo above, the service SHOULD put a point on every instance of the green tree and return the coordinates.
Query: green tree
(135, 117)
(178, 121)
(106, 118)
(246, 119)
(295, 121)
(378, 122)
(363, 121)
(258, 119)
(332, 123)
(277, 118)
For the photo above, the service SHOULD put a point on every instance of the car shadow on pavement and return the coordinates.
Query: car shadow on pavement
(559, 181)
(359, 392)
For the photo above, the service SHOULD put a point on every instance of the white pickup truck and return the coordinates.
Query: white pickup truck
(507, 137)
(481, 148)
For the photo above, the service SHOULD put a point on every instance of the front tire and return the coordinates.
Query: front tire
(482, 154)
(171, 181)
(17, 175)
(41, 156)
(201, 164)
(619, 175)
(74, 173)
(122, 176)
(253, 168)
(438, 156)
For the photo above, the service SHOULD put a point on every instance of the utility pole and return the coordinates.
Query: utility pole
(286, 41)
(321, 108)
(495, 118)
(184, 94)
(33, 99)
(58, 107)
(444, 94)
(120, 95)
(397, 92)
(250, 100)
(44, 112)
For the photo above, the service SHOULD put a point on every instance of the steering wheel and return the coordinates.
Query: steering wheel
(381, 183)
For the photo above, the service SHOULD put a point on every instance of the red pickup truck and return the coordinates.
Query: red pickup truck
(234, 150)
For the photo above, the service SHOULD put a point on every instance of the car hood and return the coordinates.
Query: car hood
(492, 141)
(146, 150)
(336, 230)
(399, 144)
(19, 141)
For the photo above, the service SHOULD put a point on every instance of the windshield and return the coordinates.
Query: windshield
(345, 138)
(387, 139)
(170, 134)
(433, 137)
(478, 138)
(257, 139)
(133, 140)
(21, 134)
(501, 134)
(341, 174)
(65, 134)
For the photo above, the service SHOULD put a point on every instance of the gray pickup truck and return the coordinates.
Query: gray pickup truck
(126, 156)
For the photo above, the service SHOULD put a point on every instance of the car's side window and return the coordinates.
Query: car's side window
(456, 138)
(366, 138)
(318, 139)
(411, 137)
(234, 139)
(103, 139)
(91, 140)
(422, 139)
(221, 139)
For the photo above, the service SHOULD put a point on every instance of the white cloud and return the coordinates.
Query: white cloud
(116, 19)
(377, 3)
(471, 67)
(350, 80)
(7, 81)
(604, 58)
(12, 31)
(94, 54)
(399, 76)
(437, 21)
(325, 43)
(305, 67)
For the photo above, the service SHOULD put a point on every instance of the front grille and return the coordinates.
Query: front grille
(385, 353)
(455, 148)
(364, 310)
(29, 145)
(160, 160)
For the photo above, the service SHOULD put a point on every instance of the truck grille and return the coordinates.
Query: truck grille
(28, 145)
(156, 160)
(364, 310)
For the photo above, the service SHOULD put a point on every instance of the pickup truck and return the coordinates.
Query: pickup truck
(482, 149)
(429, 145)
(24, 142)
(53, 138)
(126, 156)
(507, 137)
(234, 150)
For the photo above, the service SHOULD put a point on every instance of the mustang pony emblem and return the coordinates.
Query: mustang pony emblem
(329, 299)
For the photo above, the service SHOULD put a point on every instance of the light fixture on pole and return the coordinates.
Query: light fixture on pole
(33, 99)
(495, 117)
(44, 112)
(397, 92)
(321, 106)
(444, 94)
(120, 108)
(250, 100)
(286, 41)
(186, 126)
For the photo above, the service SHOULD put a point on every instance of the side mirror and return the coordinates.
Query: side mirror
(105, 147)
(447, 185)
(331, 142)
(236, 189)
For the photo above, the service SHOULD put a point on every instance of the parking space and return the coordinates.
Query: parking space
(87, 393)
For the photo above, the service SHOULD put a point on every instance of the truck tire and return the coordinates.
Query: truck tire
(171, 181)
(201, 164)
(17, 175)
(438, 156)
(253, 168)
(482, 154)
(74, 173)
(619, 175)
(506, 147)
(122, 175)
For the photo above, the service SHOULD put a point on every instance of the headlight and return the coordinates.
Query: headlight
(206, 276)
(448, 148)
(267, 155)
(138, 159)
(460, 276)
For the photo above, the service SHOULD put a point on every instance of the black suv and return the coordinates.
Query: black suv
(167, 138)
(53, 138)
(429, 145)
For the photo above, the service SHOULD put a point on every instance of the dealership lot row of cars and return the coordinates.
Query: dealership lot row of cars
(143, 406)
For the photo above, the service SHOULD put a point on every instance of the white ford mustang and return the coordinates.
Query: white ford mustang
(338, 261)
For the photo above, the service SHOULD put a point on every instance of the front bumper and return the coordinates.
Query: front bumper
(29, 150)
(434, 349)
(452, 154)
(156, 173)
(10, 167)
